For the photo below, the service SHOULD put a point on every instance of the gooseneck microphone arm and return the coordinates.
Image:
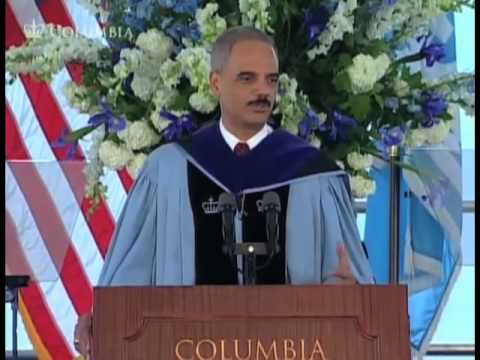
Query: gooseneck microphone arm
(227, 206)
(271, 209)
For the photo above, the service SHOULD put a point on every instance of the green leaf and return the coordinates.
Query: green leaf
(90, 75)
(378, 87)
(342, 81)
(378, 100)
(133, 109)
(349, 41)
(79, 133)
(415, 80)
(359, 106)
(344, 60)
(181, 102)
(377, 47)
(446, 116)
(321, 66)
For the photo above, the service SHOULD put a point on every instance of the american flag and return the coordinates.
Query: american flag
(48, 231)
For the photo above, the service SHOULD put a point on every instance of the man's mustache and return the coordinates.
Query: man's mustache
(265, 102)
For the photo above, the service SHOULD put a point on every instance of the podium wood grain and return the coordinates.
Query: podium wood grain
(232, 322)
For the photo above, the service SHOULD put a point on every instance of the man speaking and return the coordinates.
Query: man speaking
(227, 184)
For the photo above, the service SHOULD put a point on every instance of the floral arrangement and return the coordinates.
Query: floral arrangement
(343, 86)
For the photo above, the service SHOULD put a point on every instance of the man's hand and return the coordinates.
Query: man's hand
(83, 336)
(343, 274)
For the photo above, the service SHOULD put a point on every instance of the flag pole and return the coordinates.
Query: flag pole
(394, 154)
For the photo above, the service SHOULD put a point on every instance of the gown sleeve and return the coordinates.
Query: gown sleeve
(340, 226)
(320, 216)
(131, 256)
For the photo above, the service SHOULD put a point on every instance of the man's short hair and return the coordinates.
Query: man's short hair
(224, 44)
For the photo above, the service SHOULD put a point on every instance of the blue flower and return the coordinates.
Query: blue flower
(134, 22)
(338, 126)
(308, 124)
(315, 22)
(434, 105)
(181, 6)
(389, 2)
(108, 118)
(185, 6)
(180, 31)
(178, 125)
(66, 141)
(433, 52)
(392, 103)
(144, 9)
(391, 136)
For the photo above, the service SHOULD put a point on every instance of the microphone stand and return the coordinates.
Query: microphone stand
(249, 252)
(12, 285)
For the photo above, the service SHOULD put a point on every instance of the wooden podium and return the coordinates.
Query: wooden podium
(251, 322)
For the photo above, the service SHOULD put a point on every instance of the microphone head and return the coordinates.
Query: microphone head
(227, 200)
(271, 200)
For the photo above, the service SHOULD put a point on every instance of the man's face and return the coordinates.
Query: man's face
(247, 85)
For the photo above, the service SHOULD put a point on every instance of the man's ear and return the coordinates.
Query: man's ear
(215, 83)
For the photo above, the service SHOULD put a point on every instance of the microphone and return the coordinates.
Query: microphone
(227, 205)
(271, 209)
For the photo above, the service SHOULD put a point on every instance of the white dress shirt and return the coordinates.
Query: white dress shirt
(232, 140)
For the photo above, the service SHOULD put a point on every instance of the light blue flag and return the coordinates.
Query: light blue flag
(430, 214)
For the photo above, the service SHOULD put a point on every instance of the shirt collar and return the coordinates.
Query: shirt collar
(232, 140)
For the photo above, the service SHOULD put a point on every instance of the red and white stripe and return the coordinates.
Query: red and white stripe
(46, 207)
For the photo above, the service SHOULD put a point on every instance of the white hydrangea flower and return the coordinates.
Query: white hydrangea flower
(358, 161)
(416, 137)
(114, 156)
(400, 87)
(121, 70)
(156, 44)
(164, 97)
(143, 87)
(290, 103)
(158, 122)
(140, 135)
(361, 186)
(204, 103)
(255, 13)
(136, 164)
(170, 73)
(132, 58)
(196, 66)
(210, 23)
(438, 132)
(366, 70)
(78, 97)
(340, 164)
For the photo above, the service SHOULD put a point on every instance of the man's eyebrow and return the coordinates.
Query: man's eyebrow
(254, 73)
(246, 73)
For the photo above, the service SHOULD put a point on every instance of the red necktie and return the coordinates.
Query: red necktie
(241, 149)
